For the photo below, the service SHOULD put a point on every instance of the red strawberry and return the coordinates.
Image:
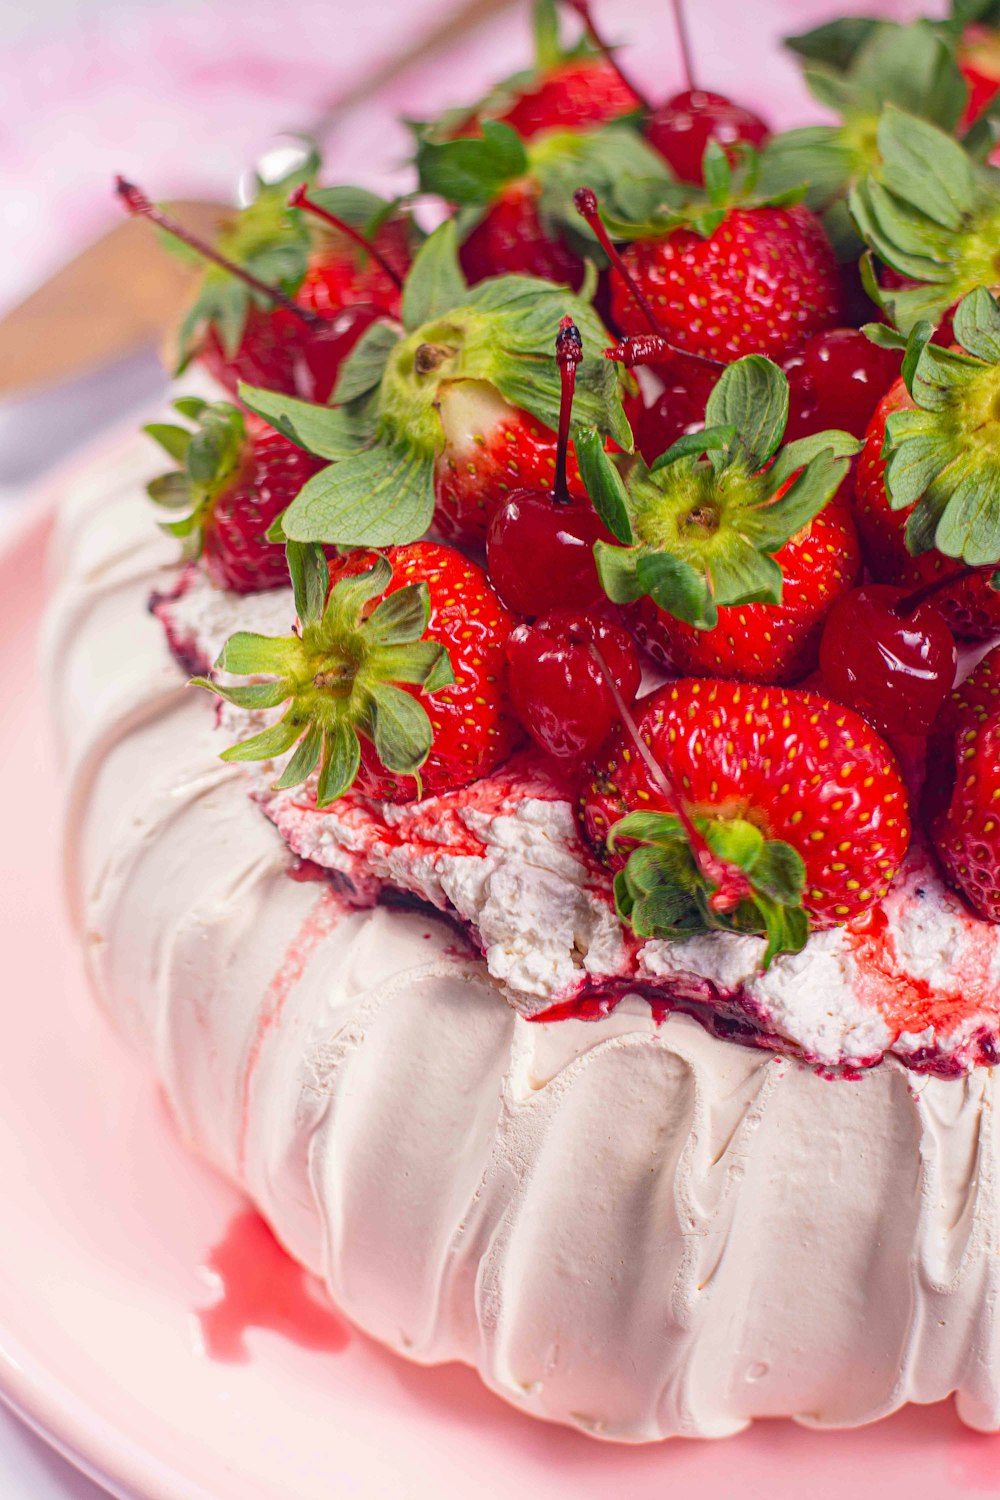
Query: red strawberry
(732, 546)
(979, 60)
(272, 309)
(429, 432)
(751, 765)
(762, 282)
(570, 96)
(340, 274)
(491, 448)
(471, 722)
(395, 686)
(766, 642)
(972, 607)
(237, 475)
(509, 240)
(964, 792)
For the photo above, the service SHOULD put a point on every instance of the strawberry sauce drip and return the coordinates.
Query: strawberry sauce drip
(260, 1286)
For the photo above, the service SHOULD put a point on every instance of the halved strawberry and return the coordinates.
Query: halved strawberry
(236, 476)
(928, 480)
(713, 522)
(490, 449)
(437, 421)
(788, 809)
(395, 682)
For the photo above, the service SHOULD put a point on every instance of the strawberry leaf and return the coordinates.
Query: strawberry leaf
(340, 678)
(329, 432)
(662, 893)
(310, 575)
(751, 398)
(940, 454)
(435, 282)
(373, 498)
(603, 484)
(471, 169)
(931, 214)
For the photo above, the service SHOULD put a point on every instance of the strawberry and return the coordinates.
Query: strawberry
(928, 484)
(766, 642)
(965, 790)
(510, 240)
(280, 308)
(437, 421)
(715, 521)
(745, 807)
(490, 449)
(854, 67)
(569, 95)
(979, 60)
(236, 476)
(510, 163)
(936, 227)
(753, 279)
(516, 198)
(394, 683)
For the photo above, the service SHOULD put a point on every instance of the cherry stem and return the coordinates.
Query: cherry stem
(641, 348)
(729, 882)
(908, 606)
(300, 199)
(139, 206)
(683, 43)
(569, 353)
(582, 9)
(586, 205)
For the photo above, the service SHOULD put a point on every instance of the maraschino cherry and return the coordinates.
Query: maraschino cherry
(559, 692)
(837, 379)
(681, 127)
(290, 348)
(688, 379)
(540, 545)
(889, 655)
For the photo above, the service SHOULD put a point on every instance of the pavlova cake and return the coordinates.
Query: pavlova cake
(535, 795)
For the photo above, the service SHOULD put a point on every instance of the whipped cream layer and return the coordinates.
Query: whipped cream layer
(637, 1229)
(919, 976)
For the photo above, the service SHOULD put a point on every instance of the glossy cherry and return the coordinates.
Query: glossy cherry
(889, 655)
(558, 688)
(682, 127)
(540, 544)
(836, 380)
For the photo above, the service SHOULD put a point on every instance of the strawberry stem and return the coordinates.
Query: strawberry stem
(300, 199)
(582, 9)
(729, 884)
(139, 206)
(683, 43)
(569, 353)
